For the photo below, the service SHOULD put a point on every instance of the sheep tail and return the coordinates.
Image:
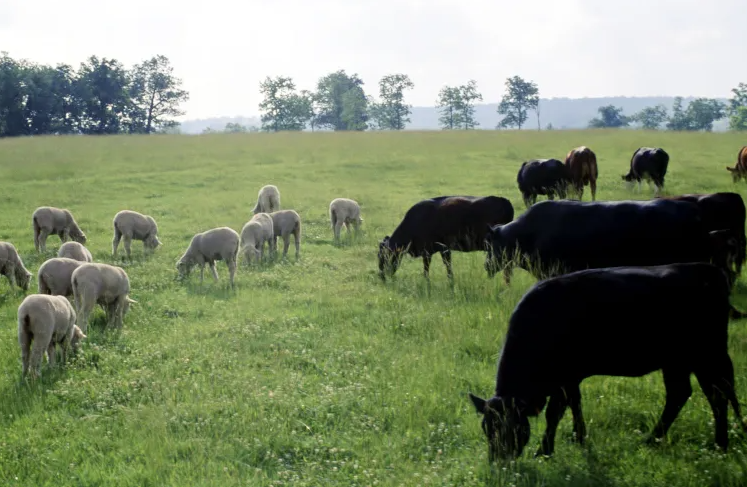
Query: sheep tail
(333, 216)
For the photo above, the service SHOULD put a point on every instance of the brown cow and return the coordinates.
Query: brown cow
(740, 170)
(582, 165)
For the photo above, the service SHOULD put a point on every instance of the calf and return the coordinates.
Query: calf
(739, 171)
(582, 324)
(723, 211)
(650, 164)
(542, 176)
(443, 224)
(581, 164)
(556, 237)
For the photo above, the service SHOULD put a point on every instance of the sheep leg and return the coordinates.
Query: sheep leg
(127, 246)
(357, 227)
(64, 235)
(202, 272)
(231, 263)
(286, 244)
(211, 263)
(84, 310)
(51, 356)
(38, 347)
(115, 241)
(337, 228)
(297, 241)
(24, 340)
(43, 234)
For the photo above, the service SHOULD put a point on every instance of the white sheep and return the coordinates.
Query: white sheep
(49, 220)
(103, 284)
(11, 266)
(132, 225)
(75, 250)
(55, 276)
(344, 211)
(220, 243)
(268, 199)
(47, 321)
(254, 234)
(285, 223)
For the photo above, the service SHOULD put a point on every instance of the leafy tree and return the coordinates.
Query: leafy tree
(449, 101)
(468, 96)
(521, 96)
(610, 116)
(282, 108)
(156, 93)
(678, 120)
(702, 112)
(738, 108)
(651, 118)
(341, 102)
(234, 128)
(392, 113)
(102, 90)
(12, 95)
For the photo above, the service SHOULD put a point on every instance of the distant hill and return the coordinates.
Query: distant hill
(562, 113)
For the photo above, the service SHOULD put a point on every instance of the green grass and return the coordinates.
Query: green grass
(314, 372)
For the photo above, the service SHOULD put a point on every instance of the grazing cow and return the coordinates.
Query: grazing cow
(443, 224)
(581, 163)
(723, 211)
(739, 171)
(592, 322)
(556, 237)
(542, 176)
(650, 164)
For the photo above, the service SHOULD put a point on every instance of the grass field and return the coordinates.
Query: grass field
(314, 372)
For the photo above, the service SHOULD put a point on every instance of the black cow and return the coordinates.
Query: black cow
(723, 211)
(623, 322)
(443, 224)
(555, 237)
(543, 176)
(648, 163)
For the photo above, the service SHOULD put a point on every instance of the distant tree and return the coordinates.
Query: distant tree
(521, 96)
(549, 127)
(156, 94)
(678, 120)
(449, 102)
(702, 112)
(233, 127)
(392, 113)
(341, 102)
(282, 108)
(209, 130)
(738, 108)
(468, 96)
(651, 118)
(310, 103)
(609, 117)
(102, 91)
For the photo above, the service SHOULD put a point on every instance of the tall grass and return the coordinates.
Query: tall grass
(314, 372)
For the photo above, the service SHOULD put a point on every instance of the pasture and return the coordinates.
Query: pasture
(314, 372)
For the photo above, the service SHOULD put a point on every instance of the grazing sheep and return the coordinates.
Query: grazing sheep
(285, 223)
(55, 276)
(268, 200)
(104, 284)
(75, 250)
(47, 321)
(220, 243)
(133, 225)
(11, 266)
(344, 211)
(49, 220)
(254, 234)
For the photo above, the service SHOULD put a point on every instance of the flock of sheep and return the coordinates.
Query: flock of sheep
(48, 320)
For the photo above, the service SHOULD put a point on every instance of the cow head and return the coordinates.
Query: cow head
(736, 173)
(725, 252)
(505, 424)
(496, 258)
(389, 257)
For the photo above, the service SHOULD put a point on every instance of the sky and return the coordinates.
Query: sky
(223, 49)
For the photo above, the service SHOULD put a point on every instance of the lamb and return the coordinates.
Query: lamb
(254, 234)
(285, 223)
(220, 243)
(47, 321)
(133, 225)
(268, 200)
(11, 266)
(49, 220)
(344, 211)
(75, 250)
(105, 284)
(55, 276)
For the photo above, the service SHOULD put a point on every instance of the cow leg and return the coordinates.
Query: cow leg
(718, 385)
(593, 186)
(574, 401)
(553, 414)
(678, 390)
(446, 258)
(639, 186)
(507, 272)
(528, 199)
(426, 264)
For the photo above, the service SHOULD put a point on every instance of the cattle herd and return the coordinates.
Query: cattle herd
(626, 287)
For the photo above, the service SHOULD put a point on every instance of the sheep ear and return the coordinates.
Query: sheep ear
(130, 300)
(479, 403)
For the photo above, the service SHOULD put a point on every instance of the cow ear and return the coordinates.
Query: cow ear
(479, 403)
(730, 169)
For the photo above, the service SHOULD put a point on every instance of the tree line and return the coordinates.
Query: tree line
(102, 96)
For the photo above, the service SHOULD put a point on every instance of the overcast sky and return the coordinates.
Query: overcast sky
(222, 49)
